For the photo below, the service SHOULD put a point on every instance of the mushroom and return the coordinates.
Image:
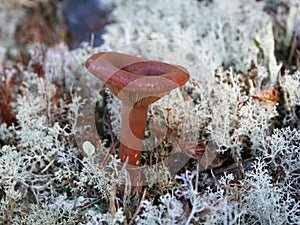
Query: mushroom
(137, 82)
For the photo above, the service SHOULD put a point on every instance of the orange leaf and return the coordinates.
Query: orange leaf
(269, 95)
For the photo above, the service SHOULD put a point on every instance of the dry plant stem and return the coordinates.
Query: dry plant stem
(138, 208)
(293, 48)
(132, 133)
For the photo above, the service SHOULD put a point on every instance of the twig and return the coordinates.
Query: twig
(138, 208)
(36, 196)
(112, 200)
(47, 167)
(215, 179)
(247, 165)
(293, 48)
(89, 204)
(110, 132)
(75, 199)
(285, 96)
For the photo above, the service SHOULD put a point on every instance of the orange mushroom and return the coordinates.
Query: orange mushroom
(137, 82)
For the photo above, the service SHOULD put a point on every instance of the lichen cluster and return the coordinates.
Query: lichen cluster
(237, 120)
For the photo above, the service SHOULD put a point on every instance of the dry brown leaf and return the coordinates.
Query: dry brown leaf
(269, 95)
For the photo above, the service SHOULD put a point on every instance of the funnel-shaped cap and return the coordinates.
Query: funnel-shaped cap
(135, 80)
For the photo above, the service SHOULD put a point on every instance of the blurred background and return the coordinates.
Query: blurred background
(50, 22)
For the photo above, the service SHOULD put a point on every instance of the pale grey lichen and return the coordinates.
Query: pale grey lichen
(291, 85)
(158, 174)
(235, 116)
(46, 215)
(37, 137)
(227, 37)
(40, 161)
(108, 218)
(102, 179)
(265, 202)
(281, 150)
(169, 211)
(12, 174)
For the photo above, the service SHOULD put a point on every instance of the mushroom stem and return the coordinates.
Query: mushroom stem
(132, 132)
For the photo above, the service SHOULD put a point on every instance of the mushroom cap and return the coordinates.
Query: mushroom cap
(136, 80)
